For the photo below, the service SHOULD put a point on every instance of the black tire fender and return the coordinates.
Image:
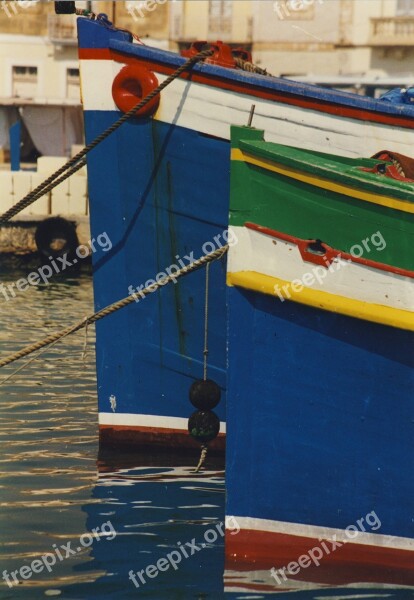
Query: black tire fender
(56, 237)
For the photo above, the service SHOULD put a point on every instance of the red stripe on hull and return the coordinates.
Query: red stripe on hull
(351, 563)
(95, 54)
(302, 244)
(118, 437)
(322, 106)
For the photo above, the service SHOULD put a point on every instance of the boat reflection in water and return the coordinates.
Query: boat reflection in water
(162, 511)
(52, 492)
(159, 511)
(259, 584)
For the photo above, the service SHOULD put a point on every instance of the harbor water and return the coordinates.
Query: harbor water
(94, 522)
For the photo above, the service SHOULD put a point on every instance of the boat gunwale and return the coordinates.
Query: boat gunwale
(265, 82)
(353, 177)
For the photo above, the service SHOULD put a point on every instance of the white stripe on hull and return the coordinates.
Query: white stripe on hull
(256, 251)
(318, 532)
(154, 421)
(212, 110)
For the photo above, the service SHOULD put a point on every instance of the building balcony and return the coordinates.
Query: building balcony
(62, 30)
(392, 31)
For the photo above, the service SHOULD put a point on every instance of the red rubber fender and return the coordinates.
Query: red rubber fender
(132, 84)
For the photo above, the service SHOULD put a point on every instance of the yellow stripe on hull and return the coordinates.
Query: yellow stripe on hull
(357, 309)
(239, 155)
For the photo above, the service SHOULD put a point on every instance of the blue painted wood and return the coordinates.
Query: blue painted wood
(94, 34)
(319, 416)
(151, 191)
(15, 133)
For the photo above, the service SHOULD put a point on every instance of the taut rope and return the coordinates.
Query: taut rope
(108, 310)
(72, 165)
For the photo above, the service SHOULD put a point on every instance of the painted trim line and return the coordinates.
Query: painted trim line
(376, 313)
(325, 184)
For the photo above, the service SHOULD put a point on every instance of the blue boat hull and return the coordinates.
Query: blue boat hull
(320, 427)
(151, 191)
(159, 188)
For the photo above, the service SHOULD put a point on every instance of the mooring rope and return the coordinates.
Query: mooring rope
(51, 182)
(108, 310)
(204, 447)
(31, 360)
(250, 67)
(203, 456)
(205, 351)
(69, 168)
(49, 187)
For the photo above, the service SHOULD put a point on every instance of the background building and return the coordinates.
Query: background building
(39, 83)
(230, 21)
(315, 39)
(331, 37)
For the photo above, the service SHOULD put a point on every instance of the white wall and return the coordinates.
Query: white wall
(324, 37)
(68, 198)
(189, 20)
(319, 22)
(51, 63)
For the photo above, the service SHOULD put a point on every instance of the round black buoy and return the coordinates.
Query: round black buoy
(56, 237)
(205, 394)
(204, 426)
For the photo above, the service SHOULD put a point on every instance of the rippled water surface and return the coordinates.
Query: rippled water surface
(54, 491)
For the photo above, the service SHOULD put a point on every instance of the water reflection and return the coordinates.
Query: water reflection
(53, 490)
(156, 508)
(48, 433)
